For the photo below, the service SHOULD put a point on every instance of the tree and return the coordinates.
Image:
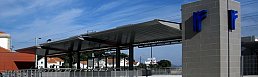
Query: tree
(113, 54)
(141, 65)
(164, 63)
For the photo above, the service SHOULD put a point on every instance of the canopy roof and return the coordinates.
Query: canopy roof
(150, 33)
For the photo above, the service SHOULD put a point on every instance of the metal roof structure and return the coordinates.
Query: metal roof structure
(150, 33)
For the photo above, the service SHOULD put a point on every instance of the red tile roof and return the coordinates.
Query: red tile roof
(54, 60)
(83, 62)
(110, 60)
(2, 32)
(4, 50)
(8, 59)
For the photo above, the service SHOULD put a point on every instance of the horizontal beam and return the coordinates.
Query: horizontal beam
(55, 55)
(99, 40)
(179, 38)
(136, 44)
(50, 48)
(162, 43)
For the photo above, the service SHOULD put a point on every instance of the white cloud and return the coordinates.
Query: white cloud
(109, 6)
(13, 8)
(42, 27)
(24, 19)
(49, 4)
(11, 12)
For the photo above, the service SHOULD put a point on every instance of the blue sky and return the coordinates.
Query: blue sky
(57, 19)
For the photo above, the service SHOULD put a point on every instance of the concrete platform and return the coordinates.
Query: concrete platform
(181, 76)
(163, 76)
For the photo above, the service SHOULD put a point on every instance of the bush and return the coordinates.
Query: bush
(164, 63)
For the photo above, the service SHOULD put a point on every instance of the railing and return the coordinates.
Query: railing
(71, 73)
(166, 71)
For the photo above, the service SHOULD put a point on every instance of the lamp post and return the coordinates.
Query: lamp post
(49, 40)
(36, 56)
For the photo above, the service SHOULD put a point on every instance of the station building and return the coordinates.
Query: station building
(249, 48)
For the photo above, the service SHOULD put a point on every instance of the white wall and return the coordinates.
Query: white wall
(42, 61)
(81, 65)
(5, 43)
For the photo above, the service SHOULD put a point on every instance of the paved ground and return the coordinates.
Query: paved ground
(163, 76)
(181, 76)
(251, 76)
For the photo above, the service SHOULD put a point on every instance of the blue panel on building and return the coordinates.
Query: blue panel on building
(232, 16)
(197, 20)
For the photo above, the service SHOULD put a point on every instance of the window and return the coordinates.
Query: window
(42, 62)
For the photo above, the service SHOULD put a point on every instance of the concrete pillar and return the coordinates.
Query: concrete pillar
(214, 51)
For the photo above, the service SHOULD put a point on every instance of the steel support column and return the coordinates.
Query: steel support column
(45, 58)
(93, 67)
(131, 51)
(98, 62)
(106, 61)
(87, 63)
(118, 52)
(124, 62)
(70, 55)
(78, 54)
(131, 57)
(113, 62)
(70, 60)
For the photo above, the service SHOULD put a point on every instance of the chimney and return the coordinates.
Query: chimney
(5, 40)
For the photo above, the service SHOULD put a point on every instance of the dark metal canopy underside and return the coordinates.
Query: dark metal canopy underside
(151, 33)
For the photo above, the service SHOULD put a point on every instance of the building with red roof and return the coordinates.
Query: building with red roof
(13, 60)
(52, 62)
